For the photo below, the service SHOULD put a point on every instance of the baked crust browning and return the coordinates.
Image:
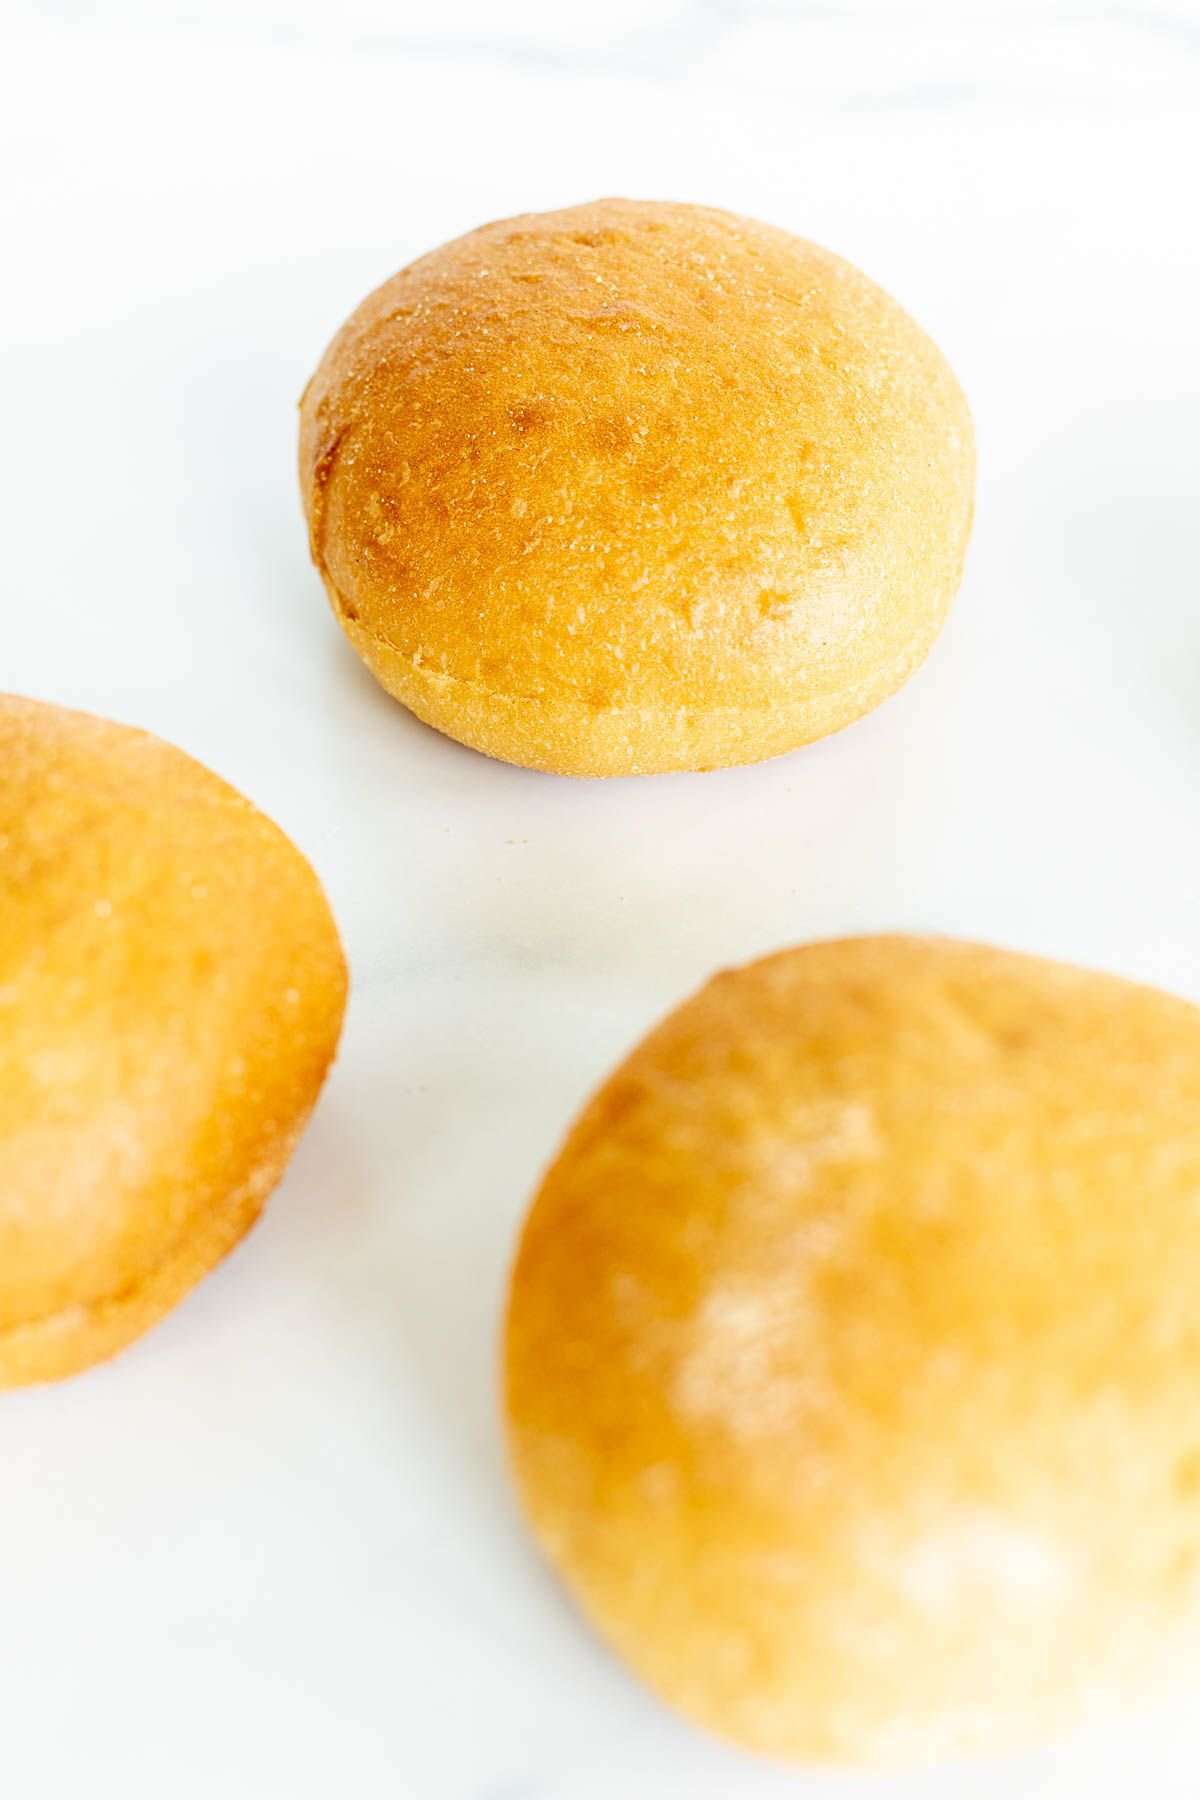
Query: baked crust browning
(635, 487)
(853, 1354)
(171, 993)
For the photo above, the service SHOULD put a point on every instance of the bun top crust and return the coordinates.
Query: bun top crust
(640, 462)
(853, 1356)
(171, 993)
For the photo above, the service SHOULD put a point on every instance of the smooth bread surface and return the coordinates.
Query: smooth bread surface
(171, 993)
(853, 1353)
(636, 487)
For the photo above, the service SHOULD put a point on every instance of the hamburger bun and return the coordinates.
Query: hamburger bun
(853, 1352)
(635, 487)
(171, 993)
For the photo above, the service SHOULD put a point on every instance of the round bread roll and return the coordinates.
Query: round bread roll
(171, 993)
(853, 1351)
(635, 487)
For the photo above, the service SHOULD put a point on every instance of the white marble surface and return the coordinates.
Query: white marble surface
(271, 1551)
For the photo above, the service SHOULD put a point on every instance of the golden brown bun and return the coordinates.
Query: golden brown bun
(635, 487)
(171, 993)
(853, 1351)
